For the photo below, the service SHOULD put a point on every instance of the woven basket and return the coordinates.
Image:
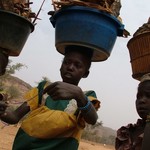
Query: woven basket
(139, 50)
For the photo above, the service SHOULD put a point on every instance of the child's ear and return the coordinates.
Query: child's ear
(86, 74)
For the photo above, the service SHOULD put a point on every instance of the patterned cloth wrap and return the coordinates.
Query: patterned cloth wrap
(124, 137)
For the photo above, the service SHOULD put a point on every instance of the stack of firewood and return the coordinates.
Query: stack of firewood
(143, 29)
(110, 6)
(20, 7)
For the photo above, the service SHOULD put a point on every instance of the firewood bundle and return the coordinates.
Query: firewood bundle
(20, 7)
(143, 29)
(110, 6)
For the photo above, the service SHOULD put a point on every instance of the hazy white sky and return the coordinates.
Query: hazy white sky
(112, 79)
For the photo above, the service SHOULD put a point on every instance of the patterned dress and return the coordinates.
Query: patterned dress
(130, 137)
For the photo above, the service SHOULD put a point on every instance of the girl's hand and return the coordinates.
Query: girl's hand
(61, 90)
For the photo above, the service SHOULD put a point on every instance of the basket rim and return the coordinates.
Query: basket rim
(18, 16)
(74, 8)
(137, 37)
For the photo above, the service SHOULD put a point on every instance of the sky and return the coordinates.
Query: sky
(111, 79)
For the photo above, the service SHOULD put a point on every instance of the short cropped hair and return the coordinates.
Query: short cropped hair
(87, 52)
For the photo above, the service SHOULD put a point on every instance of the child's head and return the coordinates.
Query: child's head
(143, 97)
(76, 64)
(84, 51)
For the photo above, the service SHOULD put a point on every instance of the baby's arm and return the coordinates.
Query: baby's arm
(13, 117)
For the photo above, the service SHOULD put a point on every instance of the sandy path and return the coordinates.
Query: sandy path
(8, 132)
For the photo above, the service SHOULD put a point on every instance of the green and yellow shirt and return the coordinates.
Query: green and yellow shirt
(51, 125)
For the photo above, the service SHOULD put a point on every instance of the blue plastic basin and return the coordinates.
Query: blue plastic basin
(84, 26)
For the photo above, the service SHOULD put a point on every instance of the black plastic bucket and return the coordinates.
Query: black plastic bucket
(14, 32)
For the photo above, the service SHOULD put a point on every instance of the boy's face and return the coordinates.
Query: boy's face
(74, 67)
(143, 99)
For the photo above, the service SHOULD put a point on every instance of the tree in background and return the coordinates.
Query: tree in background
(96, 133)
(44, 79)
(89, 132)
(11, 69)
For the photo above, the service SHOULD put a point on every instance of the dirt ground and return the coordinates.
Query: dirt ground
(7, 134)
